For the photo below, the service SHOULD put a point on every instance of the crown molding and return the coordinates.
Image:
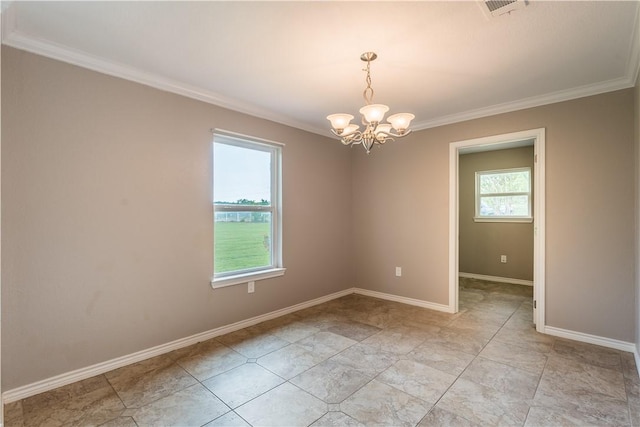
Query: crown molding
(12, 37)
(15, 39)
(625, 82)
(535, 101)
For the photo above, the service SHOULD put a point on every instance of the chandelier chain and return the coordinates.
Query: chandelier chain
(368, 92)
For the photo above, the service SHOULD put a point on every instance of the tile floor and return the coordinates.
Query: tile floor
(364, 361)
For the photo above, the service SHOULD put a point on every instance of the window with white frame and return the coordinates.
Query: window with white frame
(246, 205)
(503, 195)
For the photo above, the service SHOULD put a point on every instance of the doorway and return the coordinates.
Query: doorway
(511, 140)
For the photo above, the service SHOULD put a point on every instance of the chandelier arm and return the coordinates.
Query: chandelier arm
(397, 135)
(353, 138)
(382, 141)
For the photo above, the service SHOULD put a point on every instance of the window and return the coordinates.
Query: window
(246, 205)
(503, 195)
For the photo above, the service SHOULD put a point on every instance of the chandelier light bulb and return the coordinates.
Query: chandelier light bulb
(374, 113)
(383, 129)
(340, 121)
(401, 121)
(350, 129)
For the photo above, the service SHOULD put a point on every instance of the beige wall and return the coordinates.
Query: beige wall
(482, 243)
(107, 218)
(401, 211)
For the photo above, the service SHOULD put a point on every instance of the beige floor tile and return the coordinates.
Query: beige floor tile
(439, 417)
(192, 406)
(252, 343)
(521, 320)
(471, 296)
(13, 414)
(525, 338)
(506, 308)
(574, 378)
(541, 416)
(210, 358)
(230, 419)
(366, 359)
(632, 386)
(467, 341)
(285, 405)
(441, 357)
(120, 422)
(332, 380)
(149, 380)
(588, 353)
(502, 378)
(428, 320)
(376, 316)
(584, 391)
(326, 344)
(397, 340)
(380, 404)
(522, 358)
(290, 361)
(91, 401)
(337, 419)
(354, 330)
(418, 380)
(241, 384)
(290, 328)
(629, 369)
(484, 405)
(475, 319)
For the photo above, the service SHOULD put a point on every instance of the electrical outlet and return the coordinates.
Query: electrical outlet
(503, 259)
(398, 271)
(252, 287)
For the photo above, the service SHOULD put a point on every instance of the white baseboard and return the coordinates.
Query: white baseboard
(404, 300)
(100, 368)
(496, 279)
(592, 339)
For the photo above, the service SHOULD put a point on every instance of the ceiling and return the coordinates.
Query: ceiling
(297, 62)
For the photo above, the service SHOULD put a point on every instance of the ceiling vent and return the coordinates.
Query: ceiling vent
(495, 8)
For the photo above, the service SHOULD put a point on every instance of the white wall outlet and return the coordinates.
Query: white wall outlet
(503, 259)
(398, 271)
(252, 287)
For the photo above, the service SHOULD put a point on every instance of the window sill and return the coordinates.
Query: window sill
(522, 220)
(222, 282)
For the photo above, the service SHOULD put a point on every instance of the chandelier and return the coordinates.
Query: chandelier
(375, 132)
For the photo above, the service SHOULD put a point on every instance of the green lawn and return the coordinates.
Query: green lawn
(240, 245)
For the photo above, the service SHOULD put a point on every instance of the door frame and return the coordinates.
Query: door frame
(539, 228)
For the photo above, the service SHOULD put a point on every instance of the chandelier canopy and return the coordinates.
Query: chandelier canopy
(375, 132)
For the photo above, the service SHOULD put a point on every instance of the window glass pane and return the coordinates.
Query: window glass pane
(504, 206)
(505, 182)
(241, 175)
(242, 241)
